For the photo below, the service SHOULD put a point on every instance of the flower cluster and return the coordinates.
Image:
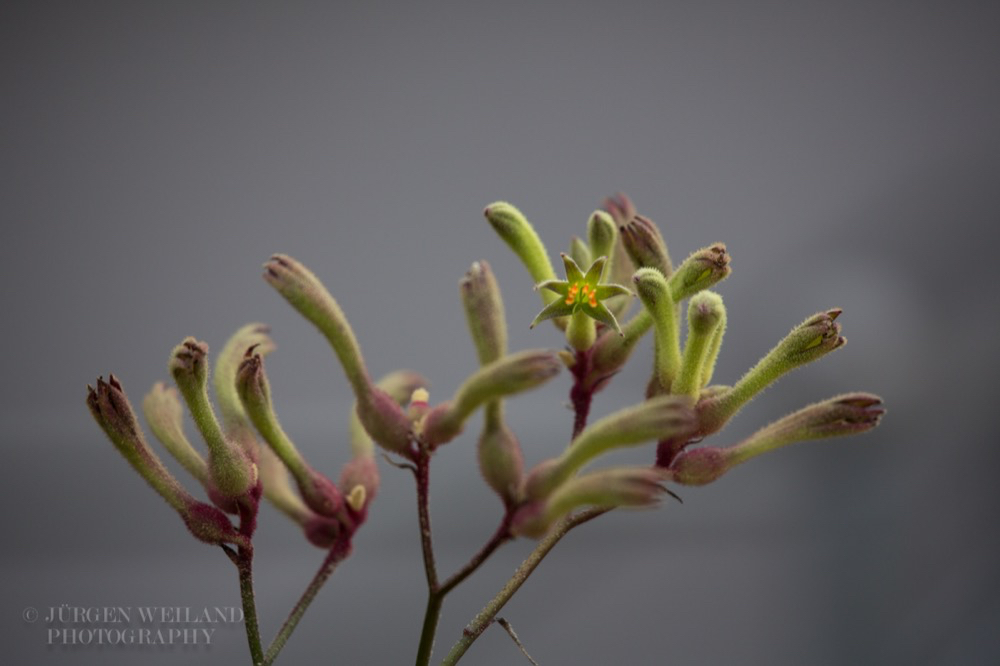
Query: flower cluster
(250, 455)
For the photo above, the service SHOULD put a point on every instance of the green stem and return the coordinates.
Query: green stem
(338, 553)
(245, 567)
(486, 616)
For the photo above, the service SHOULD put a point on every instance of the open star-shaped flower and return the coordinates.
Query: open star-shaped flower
(582, 293)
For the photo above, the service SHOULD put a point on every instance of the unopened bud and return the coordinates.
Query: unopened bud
(509, 375)
(644, 244)
(580, 252)
(610, 488)
(165, 416)
(619, 207)
(655, 294)
(701, 270)
(484, 312)
(114, 414)
(501, 461)
(812, 339)
(705, 315)
(849, 414)
(319, 493)
(380, 415)
(399, 386)
(232, 472)
(515, 230)
(658, 418)
(601, 235)
(234, 420)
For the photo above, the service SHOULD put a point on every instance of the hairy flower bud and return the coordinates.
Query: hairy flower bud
(658, 418)
(500, 460)
(705, 315)
(609, 488)
(701, 270)
(848, 414)
(601, 236)
(484, 312)
(655, 294)
(232, 472)
(114, 414)
(509, 375)
(812, 339)
(234, 419)
(645, 245)
(165, 416)
(380, 415)
(579, 251)
(515, 230)
(319, 493)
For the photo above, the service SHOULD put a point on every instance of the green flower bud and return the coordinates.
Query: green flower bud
(601, 235)
(111, 409)
(165, 416)
(232, 472)
(234, 419)
(705, 315)
(610, 488)
(655, 294)
(380, 415)
(701, 270)
(580, 252)
(509, 375)
(252, 386)
(484, 312)
(644, 244)
(848, 414)
(812, 339)
(515, 230)
(658, 418)
(500, 459)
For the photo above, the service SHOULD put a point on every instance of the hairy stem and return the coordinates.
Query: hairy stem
(433, 611)
(338, 553)
(486, 616)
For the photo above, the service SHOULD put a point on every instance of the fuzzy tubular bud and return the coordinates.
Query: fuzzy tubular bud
(602, 235)
(580, 252)
(701, 270)
(705, 314)
(484, 312)
(515, 230)
(319, 493)
(659, 418)
(114, 414)
(165, 416)
(848, 414)
(234, 418)
(645, 245)
(814, 338)
(655, 294)
(232, 471)
(610, 488)
(509, 375)
(380, 415)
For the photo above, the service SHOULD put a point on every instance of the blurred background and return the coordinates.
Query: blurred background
(155, 154)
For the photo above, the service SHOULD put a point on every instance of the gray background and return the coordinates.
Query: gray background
(154, 154)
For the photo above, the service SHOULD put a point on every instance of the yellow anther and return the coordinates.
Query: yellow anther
(420, 395)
